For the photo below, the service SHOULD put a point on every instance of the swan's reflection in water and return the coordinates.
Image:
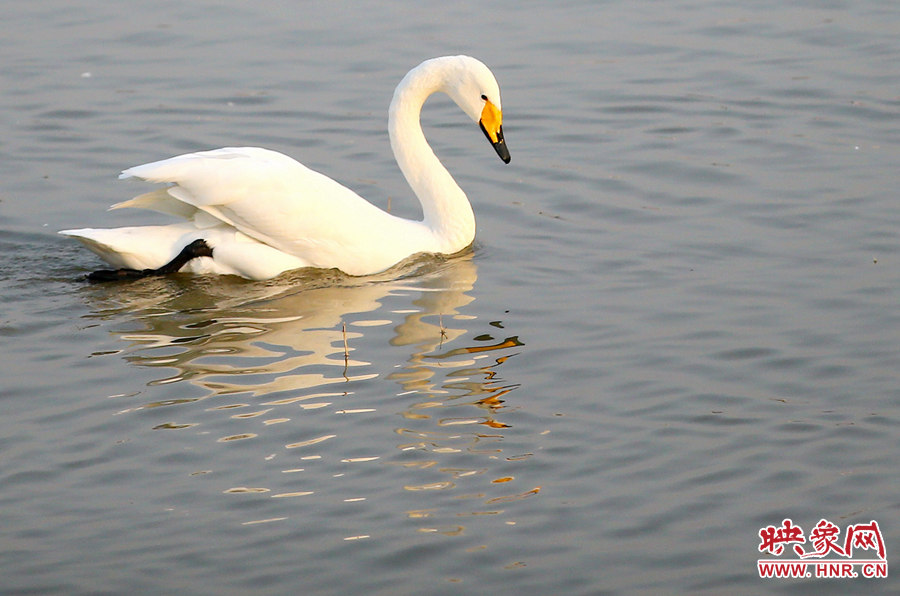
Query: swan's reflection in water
(284, 364)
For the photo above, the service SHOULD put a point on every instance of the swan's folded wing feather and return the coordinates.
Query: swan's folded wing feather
(271, 198)
(161, 201)
(221, 176)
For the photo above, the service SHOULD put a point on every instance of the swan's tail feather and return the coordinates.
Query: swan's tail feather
(139, 247)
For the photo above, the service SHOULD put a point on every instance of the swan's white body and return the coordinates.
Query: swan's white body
(264, 213)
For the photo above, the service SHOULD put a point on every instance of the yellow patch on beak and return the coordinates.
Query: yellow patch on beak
(491, 120)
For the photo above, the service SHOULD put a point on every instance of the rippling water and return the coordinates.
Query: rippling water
(678, 324)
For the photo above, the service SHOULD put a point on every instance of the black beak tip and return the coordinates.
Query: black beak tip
(502, 151)
(499, 145)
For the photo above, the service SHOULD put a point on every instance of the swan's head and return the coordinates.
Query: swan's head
(473, 87)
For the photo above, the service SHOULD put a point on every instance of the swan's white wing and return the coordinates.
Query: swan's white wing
(273, 199)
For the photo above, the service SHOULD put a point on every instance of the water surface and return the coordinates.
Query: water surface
(678, 324)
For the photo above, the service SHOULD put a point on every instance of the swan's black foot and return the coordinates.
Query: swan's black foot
(118, 274)
(197, 248)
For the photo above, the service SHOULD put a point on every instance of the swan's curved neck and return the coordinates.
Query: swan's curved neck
(446, 209)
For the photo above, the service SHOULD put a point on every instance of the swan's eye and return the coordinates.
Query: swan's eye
(484, 97)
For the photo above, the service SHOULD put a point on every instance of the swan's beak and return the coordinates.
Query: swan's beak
(492, 124)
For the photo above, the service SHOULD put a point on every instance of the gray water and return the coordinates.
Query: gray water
(678, 325)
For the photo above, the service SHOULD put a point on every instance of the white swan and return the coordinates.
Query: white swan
(257, 213)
